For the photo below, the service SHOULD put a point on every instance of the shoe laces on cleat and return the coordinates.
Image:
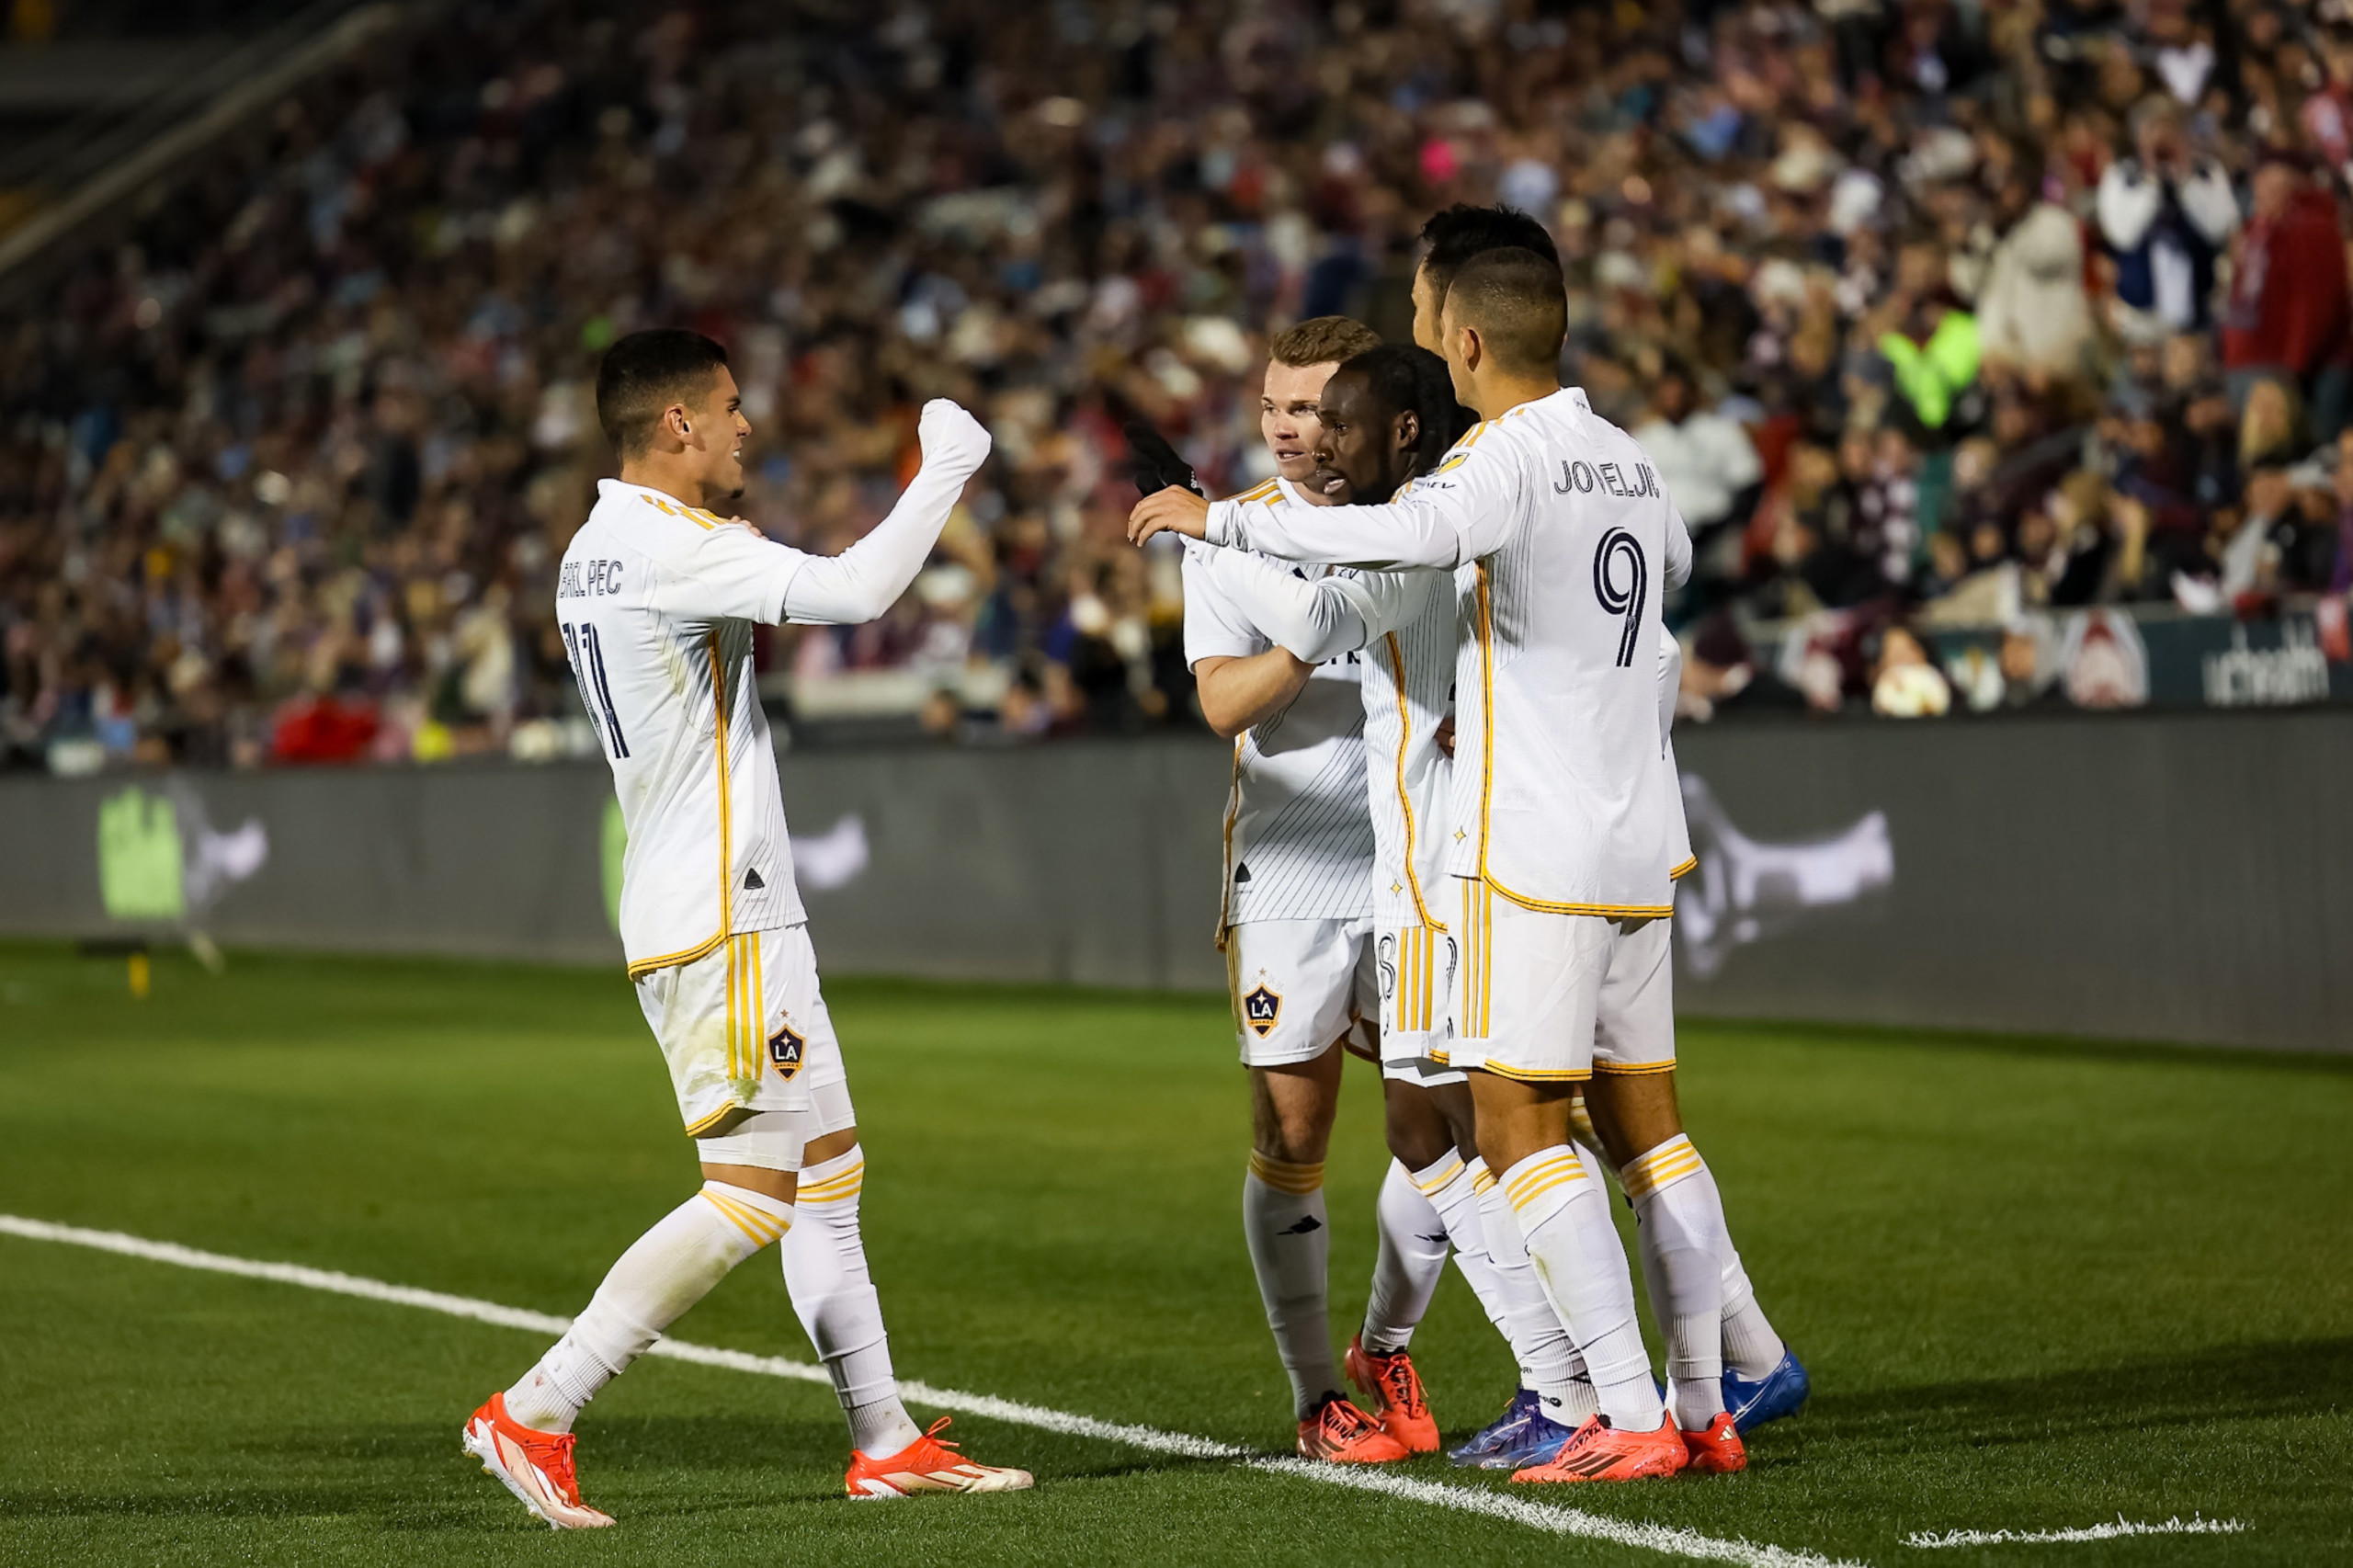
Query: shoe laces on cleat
(1399, 1386)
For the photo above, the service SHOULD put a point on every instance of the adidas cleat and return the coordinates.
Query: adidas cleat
(1522, 1436)
(1781, 1391)
(929, 1464)
(1716, 1451)
(1339, 1433)
(1601, 1452)
(1396, 1388)
(535, 1466)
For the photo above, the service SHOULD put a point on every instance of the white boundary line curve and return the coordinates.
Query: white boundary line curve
(1930, 1540)
(1552, 1518)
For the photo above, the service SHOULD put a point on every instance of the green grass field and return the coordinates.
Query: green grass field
(2040, 1286)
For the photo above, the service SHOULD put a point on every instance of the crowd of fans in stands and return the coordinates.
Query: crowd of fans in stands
(1931, 314)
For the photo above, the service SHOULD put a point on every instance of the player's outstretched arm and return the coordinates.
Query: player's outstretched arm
(1466, 510)
(868, 578)
(1314, 621)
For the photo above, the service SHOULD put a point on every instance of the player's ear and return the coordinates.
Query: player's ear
(1409, 430)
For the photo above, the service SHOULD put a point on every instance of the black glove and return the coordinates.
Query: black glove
(1156, 464)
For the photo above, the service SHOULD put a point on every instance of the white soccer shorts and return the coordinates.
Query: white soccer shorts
(1556, 998)
(751, 1049)
(1299, 985)
(1418, 965)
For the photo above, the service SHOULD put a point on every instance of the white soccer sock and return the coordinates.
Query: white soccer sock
(664, 1271)
(1681, 1225)
(833, 1291)
(1291, 1245)
(1751, 1347)
(1574, 1249)
(1408, 1262)
(1548, 1364)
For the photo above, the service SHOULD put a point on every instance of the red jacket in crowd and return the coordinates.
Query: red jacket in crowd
(2289, 301)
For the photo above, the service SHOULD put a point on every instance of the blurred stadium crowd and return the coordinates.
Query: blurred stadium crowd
(1932, 314)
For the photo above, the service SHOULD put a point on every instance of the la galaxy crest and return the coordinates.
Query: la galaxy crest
(785, 1049)
(1261, 1008)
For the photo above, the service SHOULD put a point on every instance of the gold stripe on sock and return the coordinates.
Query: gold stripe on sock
(1284, 1177)
(1543, 1176)
(1436, 1184)
(842, 1184)
(1671, 1160)
(757, 1225)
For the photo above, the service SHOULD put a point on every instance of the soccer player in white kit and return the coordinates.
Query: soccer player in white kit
(1295, 918)
(656, 600)
(1384, 416)
(1635, 1122)
(1563, 545)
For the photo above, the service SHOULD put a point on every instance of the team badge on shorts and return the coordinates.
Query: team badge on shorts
(1260, 1009)
(784, 1050)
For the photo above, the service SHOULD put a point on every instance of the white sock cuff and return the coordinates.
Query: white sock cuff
(1482, 1178)
(1433, 1178)
(762, 1219)
(834, 1180)
(1661, 1167)
(1539, 1185)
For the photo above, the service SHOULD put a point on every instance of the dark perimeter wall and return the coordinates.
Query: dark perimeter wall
(2159, 877)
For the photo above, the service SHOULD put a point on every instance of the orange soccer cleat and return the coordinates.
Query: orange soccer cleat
(929, 1464)
(1397, 1388)
(1601, 1452)
(1716, 1451)
(1340, 1433)
(535, 1466)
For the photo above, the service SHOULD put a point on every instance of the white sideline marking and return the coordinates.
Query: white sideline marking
(2194, 1525)
(1551, 1517)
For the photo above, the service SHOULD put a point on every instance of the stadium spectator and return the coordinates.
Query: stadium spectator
(310, 439)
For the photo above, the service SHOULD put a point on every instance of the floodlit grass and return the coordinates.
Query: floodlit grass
(2038, 1286)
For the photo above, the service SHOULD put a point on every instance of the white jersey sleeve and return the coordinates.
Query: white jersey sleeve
(722, 571)
(1315, 619)
(1470, 506)
(1215, 627)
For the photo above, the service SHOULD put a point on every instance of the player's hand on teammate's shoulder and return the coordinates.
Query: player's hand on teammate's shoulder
(951, 437)
(1172, 510)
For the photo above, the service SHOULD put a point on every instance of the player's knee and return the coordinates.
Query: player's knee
(1419, 1134)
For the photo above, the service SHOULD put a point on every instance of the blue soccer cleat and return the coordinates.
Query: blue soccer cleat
(1780, 1393)
(1522, 1436)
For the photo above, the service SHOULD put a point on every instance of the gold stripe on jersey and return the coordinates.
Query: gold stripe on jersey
(702, 949)
(1225, 895)
(1266, 490)
(1405, 801)
(726, 832)
(734, 962)
(1684, 869)
(697, 1129)
(690, 514)
(1537, 1075)
(1487, 785)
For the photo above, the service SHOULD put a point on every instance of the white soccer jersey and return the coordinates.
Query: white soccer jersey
(1566, 542)
(1403, 624)
(656, 602)
(1298, 841)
